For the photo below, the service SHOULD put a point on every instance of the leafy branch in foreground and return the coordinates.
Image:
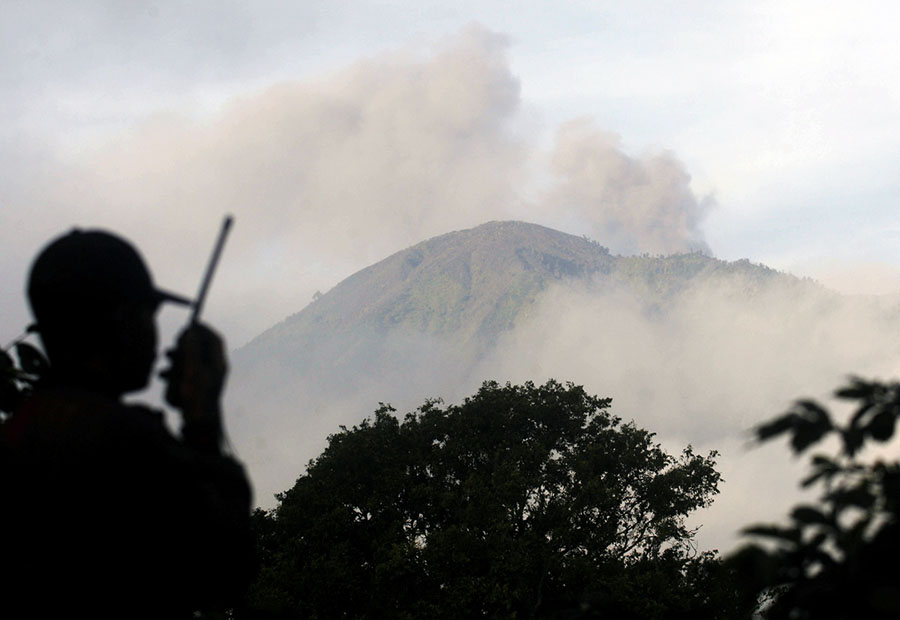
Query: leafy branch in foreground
(18, 379)
(836, 558)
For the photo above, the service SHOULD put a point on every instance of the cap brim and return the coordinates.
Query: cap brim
(163, 296)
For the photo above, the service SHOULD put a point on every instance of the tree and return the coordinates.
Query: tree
(837, 558)
(523, 502)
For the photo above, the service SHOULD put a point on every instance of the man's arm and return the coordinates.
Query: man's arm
(219, 492)
(196, 379)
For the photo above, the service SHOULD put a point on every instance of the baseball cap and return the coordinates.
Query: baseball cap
(90, 269)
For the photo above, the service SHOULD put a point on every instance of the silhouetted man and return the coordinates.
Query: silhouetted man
(106, 513)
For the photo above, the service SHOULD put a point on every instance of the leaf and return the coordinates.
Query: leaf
(806, 434)
(814, 412)
(812, 478)
(6, 361)
(820, 460)
(31, 360)
(808, 421)
(776, 427)
(809, 515)
(857, 389)
(813, 423)
(858, 496)
(817, 540)
(881, 428)
(823, 467)
(853, 440)
(861, 412)
(791, 535)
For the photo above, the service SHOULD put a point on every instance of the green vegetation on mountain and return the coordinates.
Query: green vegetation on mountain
(472, 286)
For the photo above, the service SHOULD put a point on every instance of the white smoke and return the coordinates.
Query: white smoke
(705, 367)
(327, 176)
(632, 205)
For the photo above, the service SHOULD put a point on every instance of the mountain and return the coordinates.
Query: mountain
(471, 286)
(436, 319)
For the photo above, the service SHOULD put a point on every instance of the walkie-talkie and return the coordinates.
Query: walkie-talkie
(176, 367)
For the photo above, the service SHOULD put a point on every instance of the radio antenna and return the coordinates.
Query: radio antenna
(211, 268)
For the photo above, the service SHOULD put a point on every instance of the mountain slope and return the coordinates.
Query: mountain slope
(468, 283)
(436, 319)
(471, 285)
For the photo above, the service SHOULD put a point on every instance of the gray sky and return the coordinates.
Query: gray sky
(770, 126)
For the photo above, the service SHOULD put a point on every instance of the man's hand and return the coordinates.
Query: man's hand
(196, 376)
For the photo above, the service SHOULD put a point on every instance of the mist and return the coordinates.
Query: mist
(705, 367)
(699, 366)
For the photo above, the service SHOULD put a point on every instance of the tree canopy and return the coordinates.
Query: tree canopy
(522, 502)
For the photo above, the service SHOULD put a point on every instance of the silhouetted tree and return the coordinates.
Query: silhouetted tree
(523, 502)
(837, 558)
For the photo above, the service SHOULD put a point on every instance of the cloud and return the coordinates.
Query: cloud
(327, 176)
(852, 277)
(705, 366)
(632, 205)
(340, 171)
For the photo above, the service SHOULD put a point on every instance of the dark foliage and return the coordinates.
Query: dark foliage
(523, 502)
(836, 558)
(19, 375)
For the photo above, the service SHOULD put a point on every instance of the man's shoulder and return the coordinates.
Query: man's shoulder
(62, 415)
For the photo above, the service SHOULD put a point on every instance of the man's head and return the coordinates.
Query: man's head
(94, 302)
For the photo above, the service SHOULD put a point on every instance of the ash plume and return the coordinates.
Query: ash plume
(328, 175)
